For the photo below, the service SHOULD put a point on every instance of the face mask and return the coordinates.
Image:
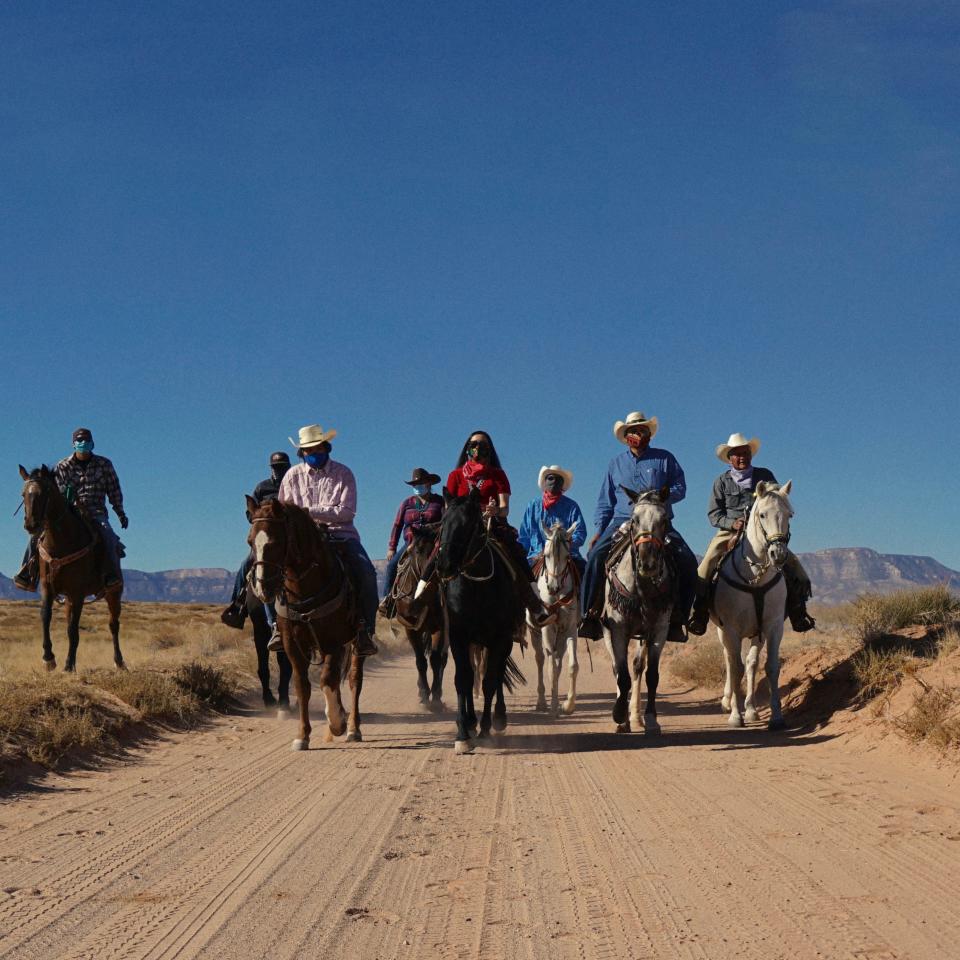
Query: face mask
(279, 470)
(83, 446)
(422, 488)
(317, 459)
(476, 451)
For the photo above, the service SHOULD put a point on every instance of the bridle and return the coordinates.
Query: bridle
(273, 582)
(38, 513)
(484, 545)
(637, 539)
(759, 569)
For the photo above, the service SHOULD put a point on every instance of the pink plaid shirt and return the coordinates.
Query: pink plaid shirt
(330, 494)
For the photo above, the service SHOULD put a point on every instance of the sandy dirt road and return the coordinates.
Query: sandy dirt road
(560, 840)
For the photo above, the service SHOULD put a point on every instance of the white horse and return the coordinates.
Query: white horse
(639, 597)
(557, 583)
(750, 601)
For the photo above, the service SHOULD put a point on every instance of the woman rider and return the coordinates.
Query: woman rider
(418, 511)
(478, 468)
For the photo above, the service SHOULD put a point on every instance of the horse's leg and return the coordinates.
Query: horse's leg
(73, 611)
(330, 674)
(300, 665)
(753, 660)
(356, 685)
(551, 644)
(477, 667)
(463, 681)
(113, 605)
(776, 721)
(283, 687)
(438, 662)
(536, 641)
(636, 672)
(493, 689)
(573, 669)
(734, 663)
(46, 615)
(261, 637)
(619, 644)
(417, 642)
(650, 722)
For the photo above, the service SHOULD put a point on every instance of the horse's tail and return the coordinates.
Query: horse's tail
(512, 675)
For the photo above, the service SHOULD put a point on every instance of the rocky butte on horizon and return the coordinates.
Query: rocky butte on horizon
(839, 575)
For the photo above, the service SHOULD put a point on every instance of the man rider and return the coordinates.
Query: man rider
(87, 480)
(729, 505)
(327, 490)
(265, 490)
(640, 467)
(551, 507)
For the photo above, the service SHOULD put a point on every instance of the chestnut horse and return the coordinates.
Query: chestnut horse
(69, 563)
(296, 566)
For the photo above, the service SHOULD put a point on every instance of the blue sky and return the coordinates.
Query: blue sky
(221, 221)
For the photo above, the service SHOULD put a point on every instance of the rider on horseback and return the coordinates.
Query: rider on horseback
(88, 481)
(420, 510)
(552, 507)
(327, 490)
(729, 505)
(638, 468)
(265, 490)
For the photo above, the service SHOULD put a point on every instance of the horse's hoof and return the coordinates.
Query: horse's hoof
(650, 727)
(462, 747)
(424, 696)
(568, 709)
(623, 727)
(499, 724)
(483, 735)
(283, 713)
(751, 716)
(735, 720)
(300, 745)
(353, 736)
(121, 665)
(50, 664)
(725, 705)
(620, 710)
(69, 668)
(774, 725)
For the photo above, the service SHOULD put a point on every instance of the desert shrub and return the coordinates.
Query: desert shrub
(949, 641)
(154, 695)
(211, 685)
(872, 614)
(701, 664)
(934, 718)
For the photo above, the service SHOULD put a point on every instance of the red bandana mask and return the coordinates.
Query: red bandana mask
(550, 499)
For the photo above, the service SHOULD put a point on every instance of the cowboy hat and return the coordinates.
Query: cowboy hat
(737, 440)
(634, 419)
(419, 476)
(566, 474)
(312, 436)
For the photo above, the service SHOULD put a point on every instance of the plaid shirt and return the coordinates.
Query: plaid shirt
(329, 494)
(93, 482)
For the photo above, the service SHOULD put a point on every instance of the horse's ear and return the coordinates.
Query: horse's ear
(631, 494)
(447, 497)
(665, 493)
(785, 489)
(252, 505)
(576, 523)
(44, 470)
(762, 489)
(23, 472)
(474, 494)
(543, 527)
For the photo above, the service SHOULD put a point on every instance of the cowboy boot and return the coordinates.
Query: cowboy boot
(675, 632)
(364, 643)
(800, 620)
(539, 614)
(28, 576)
(701, 609)
(276, 641)
(234, 616)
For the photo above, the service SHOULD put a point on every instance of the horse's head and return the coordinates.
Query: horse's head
(556, 552)
(769, 529)
(460, 533)
(39, 489)
(649, 525)
(269, 540)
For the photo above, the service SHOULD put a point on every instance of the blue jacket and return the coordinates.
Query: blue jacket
(565, 511)
(651, 470)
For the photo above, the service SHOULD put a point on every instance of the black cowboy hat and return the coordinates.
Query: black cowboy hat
(279, 457)
(420, 475)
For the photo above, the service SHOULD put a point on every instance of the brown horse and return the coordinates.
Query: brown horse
(69, 563)
(295, 565)
(422, 617)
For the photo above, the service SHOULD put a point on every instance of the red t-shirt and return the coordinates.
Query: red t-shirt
(490, 482)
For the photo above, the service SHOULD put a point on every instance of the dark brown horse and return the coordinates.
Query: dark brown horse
(70, 563)
(422, 617)
(295, 565)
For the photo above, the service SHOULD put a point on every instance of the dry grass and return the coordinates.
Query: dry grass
(181, 664)
(934, 718)
(879, 673)
(874, 615)
(700, 663)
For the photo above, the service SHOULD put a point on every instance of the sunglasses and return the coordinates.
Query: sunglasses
(479, 445)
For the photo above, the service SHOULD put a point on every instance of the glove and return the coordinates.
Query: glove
(124, 522)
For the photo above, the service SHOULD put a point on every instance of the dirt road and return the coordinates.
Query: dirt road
(561, 840)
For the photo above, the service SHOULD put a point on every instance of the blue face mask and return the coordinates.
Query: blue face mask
(422, 488)
(316, 459)
(83, 446)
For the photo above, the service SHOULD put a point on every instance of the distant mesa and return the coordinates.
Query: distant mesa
(838, 576)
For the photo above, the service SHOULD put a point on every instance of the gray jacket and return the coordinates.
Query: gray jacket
(728, 502)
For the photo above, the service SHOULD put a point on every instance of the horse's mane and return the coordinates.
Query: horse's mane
(306, 538)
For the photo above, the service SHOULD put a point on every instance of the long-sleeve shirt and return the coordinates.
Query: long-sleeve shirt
(413, 514)
(652, 470)
(329, 494)
(93, 482)
(565, 511)
(728, 501)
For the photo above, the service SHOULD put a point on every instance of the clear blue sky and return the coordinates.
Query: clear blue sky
(222, 220)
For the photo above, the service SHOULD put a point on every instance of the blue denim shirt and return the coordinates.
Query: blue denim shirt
(565, 511)
(653, 469)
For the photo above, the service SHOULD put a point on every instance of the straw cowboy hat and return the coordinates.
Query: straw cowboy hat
(566, 474)
(419, 476)
(312, 436)
(634, 419)
(737, 440)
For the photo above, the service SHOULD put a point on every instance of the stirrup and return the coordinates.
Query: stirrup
(800, 620)
(364, 644)
(590, 628)
(697, 625)
(276, 641)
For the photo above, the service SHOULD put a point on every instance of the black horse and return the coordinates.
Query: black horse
(483, 608)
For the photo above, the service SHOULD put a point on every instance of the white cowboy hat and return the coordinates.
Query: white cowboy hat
(312, 436)
(634, 419)
(737, 440)
(566, 474)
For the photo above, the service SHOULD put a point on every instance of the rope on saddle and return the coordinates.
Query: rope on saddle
(56, 564)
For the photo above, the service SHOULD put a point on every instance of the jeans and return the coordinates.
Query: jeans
(686, 570)
(240, 586)
(365, 576)
(392, 569)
